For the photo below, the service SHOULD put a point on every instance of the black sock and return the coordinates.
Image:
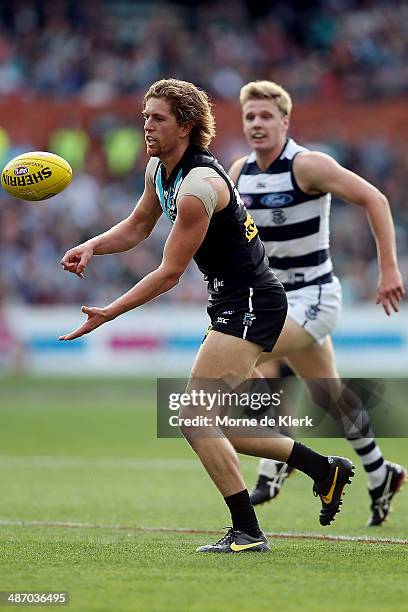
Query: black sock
(242, 513)
(308, 461)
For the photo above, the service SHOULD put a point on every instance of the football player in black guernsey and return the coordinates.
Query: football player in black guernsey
(247, 304)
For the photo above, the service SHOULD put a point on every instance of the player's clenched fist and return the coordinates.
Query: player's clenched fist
(75, 260)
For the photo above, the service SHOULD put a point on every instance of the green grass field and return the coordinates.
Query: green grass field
(85, 453)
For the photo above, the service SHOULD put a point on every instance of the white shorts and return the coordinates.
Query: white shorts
(316, 308)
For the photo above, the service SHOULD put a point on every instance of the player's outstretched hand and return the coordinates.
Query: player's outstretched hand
(96, 317)
(75, 260)
(390, 290)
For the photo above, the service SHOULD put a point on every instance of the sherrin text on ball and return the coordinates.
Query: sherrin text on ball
(36, 176)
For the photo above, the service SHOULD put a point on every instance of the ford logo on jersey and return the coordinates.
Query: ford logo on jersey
(276, 199)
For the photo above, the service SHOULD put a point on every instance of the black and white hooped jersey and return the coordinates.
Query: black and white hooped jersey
(293, 225)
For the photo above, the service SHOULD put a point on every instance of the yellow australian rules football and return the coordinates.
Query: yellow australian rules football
(36, 176)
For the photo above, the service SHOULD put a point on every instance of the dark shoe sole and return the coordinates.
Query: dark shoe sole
(265, 549)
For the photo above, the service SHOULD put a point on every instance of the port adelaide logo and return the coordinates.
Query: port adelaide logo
(249, 318)
(20, 170)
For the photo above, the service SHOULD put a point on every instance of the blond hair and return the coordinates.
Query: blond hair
(267, 90)
(188, 104)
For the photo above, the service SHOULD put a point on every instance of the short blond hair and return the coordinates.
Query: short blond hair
(267, 90)
(188, 104)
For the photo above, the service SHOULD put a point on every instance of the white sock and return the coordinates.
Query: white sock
(371, 458)
(268, 467)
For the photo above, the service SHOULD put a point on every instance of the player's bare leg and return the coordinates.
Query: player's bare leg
(273, 473)
(384, 478)
(217, 359)
(314, 363)
(232, 360)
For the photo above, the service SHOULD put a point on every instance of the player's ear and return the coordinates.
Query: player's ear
(285, 122)
(186, 128)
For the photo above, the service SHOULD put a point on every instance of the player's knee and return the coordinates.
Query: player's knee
(256, 373)
(324, 391)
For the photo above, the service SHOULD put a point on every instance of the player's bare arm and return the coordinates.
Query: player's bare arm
(319, 173)
(121, 237)
(236, 168)
(184, 240)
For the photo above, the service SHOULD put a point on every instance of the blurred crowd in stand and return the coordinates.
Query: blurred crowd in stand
(332, 50)
(99, 49)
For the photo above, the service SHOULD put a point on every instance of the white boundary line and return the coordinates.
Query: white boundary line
(186, 530)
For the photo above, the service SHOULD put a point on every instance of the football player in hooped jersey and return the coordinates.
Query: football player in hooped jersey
(287, 188)
(211, 225)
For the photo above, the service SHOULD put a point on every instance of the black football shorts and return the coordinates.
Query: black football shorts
(255, 313)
